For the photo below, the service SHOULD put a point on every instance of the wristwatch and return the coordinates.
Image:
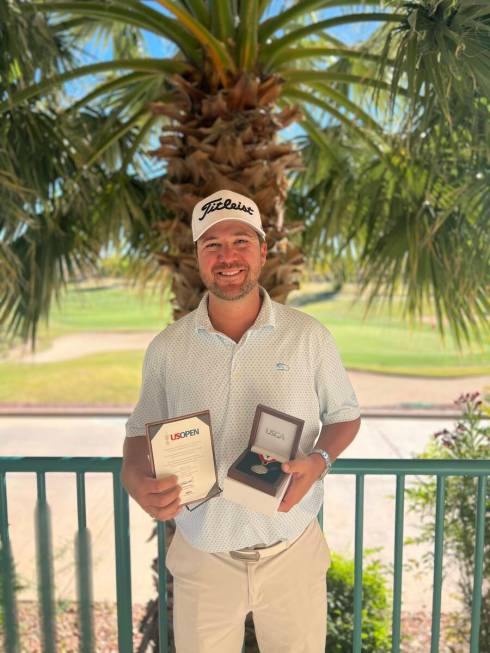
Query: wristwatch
(326, 457)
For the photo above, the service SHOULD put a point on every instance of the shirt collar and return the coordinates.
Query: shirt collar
(265, 318)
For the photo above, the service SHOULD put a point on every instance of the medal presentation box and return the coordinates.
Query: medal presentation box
(255, 479)
(184, 446)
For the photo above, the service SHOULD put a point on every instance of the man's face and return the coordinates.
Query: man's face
(230, 257)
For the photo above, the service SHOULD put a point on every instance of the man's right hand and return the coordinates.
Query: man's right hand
(160, 498)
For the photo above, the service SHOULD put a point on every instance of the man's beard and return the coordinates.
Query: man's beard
(250, 282)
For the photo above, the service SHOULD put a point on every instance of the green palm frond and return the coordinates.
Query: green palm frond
(199, 9)
(417, 228)
(47, 254)
(320, 53)
(248, 35)
(282, 42)
(323, 194)
(214, 48)
(342, 101)
(126, 12)
(299, 10)
(108, 89)
(441, 47)
(152, 66)
(295, 75)
(52, 241)
(222, 19)
(330, 108)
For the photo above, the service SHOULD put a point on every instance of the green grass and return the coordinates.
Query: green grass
(381, 343)
(384, 343)
(98, 379)
(109, 309)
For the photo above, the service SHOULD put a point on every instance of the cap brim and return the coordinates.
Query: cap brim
(228, 218)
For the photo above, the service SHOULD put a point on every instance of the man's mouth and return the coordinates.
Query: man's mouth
(229, 273)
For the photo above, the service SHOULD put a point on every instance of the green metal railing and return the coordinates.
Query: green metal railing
(479, 469)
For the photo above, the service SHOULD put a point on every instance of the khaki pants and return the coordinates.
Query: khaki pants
(285, 591)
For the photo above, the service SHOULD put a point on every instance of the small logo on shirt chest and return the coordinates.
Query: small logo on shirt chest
(282, 367)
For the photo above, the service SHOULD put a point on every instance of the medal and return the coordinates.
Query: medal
(264, 460)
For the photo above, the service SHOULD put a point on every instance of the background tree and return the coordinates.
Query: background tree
(54, 207)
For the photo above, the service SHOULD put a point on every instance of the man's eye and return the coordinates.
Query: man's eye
(210, 245)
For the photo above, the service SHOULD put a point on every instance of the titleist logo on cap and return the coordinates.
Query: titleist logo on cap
(218, 204)
(225, 205)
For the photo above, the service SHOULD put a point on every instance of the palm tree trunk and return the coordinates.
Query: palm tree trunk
(227, 139)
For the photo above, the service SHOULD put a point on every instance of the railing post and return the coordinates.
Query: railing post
(478, 571)
(45, 567)
(8, 576)
(84, 571)
(358, 553)
(398, 563)
(123, 567)
(438, 557)
(162, 590)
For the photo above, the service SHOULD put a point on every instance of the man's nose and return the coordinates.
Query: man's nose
(227, 252)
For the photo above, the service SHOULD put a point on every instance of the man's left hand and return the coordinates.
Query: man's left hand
(305, 472)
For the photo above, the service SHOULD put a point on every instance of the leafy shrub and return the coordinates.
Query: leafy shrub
(468, 439)
(376, 634)
(340, 618)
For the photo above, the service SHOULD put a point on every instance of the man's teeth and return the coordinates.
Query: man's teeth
(230, 274)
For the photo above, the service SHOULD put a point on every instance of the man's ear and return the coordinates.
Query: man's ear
(263, 250)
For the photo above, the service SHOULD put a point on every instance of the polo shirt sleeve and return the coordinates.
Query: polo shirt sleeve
(336, 397)
(152, 403)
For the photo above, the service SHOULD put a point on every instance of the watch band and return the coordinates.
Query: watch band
(328, 463)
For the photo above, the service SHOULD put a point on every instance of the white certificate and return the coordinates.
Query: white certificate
(184, 446)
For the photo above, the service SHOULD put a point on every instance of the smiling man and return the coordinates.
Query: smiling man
(236, 350)
(228, 262)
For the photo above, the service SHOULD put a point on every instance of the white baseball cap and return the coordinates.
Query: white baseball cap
(225, 205)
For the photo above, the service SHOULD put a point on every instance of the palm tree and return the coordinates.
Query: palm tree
(49, 230)
(237, 74)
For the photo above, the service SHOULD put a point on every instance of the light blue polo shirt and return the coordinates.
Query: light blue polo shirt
(286, 360)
